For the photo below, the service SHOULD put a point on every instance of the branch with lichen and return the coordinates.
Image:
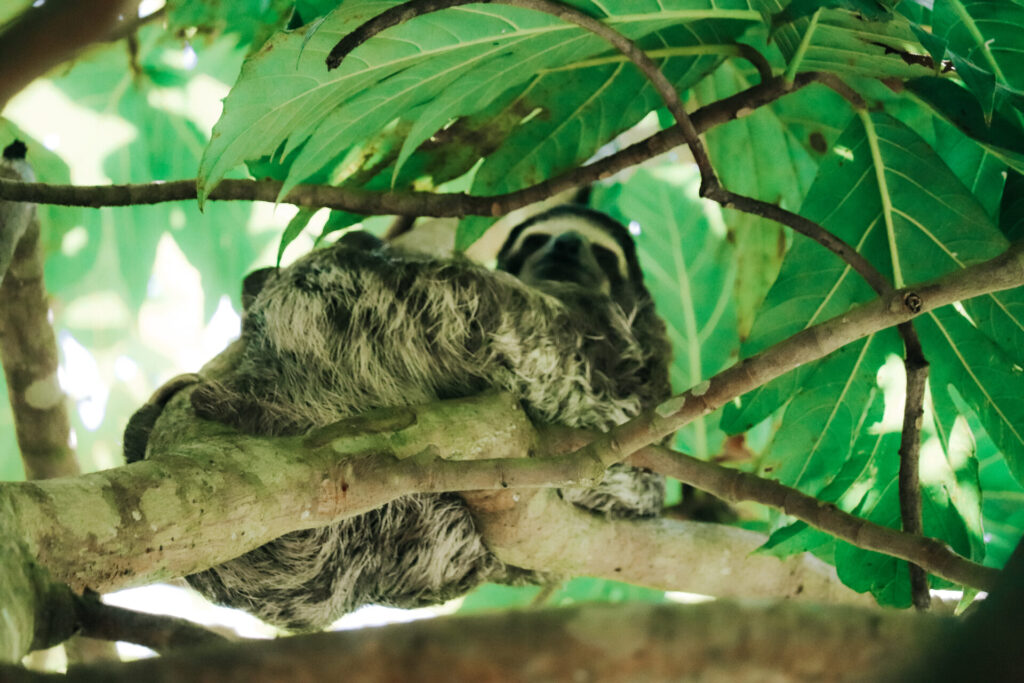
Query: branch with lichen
(154, 529)
(28, 345)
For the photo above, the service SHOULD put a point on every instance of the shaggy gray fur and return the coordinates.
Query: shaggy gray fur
(350, 328)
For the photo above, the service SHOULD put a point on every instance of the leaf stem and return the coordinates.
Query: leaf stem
(883, 191)
(801, 49)
(746, 52)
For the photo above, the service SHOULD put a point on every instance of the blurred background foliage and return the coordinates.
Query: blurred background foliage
(501, 98)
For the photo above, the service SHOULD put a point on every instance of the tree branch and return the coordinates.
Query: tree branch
(408, 203)
(1002, 272)
(48, 34)
(28, 346)
(719, 641)
(916, 368)
(735, 486)
(541, 531)
(158, 632)
(153, 529)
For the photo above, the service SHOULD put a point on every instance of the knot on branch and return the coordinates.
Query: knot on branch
(913, 302)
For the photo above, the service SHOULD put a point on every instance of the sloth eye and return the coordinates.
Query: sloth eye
(607, 259)
(534, 242)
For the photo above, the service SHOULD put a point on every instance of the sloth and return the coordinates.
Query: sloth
(565, 325)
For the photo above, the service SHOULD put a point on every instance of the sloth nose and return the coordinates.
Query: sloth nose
(567, 243)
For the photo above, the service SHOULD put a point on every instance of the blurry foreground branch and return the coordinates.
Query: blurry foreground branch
(718, 641)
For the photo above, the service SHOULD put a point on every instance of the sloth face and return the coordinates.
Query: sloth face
(571, 245)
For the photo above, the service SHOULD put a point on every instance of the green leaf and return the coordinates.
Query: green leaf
(885, 577)
(689, 269)
(1001, 135)
(977, 168)
(987, 33)
(845, 42)
(834, 405)
(798, 537)
(964, 359)
(935, 46)
(251, 20)
(772, 155)
(295, 227)
(1011, 209)
(286, 97)
(1003, 499)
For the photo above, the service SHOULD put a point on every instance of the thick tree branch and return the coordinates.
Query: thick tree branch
(1003, 272)
(158, 632)
(156, 522)
(50, 33)
(28, 346)
(541, 531)
(719, 641)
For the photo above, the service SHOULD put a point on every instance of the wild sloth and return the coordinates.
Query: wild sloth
(569, 329)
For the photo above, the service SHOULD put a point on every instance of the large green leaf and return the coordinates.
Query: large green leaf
(884, 190)
(845, 42)
(584, 105)
(985, 41)
(963, 359)
(977, 168)
(772, 155)
(689, 269)
(825, 417)
(999, 134)
(286, 99)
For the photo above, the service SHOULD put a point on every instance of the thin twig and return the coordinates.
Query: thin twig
(916, 367)
(736, 486)
(1004, 272)
(407, 203)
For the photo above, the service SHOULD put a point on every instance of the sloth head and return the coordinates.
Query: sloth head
(573, 244)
